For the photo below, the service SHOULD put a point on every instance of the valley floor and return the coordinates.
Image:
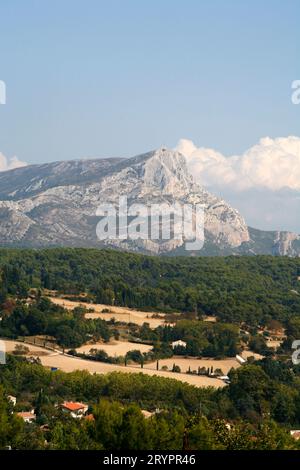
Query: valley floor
(69, 364)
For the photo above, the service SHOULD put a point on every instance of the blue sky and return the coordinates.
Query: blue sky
(117, 78)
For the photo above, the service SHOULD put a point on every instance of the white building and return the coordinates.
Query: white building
(76, 410)
(240, 359)
(225, 378)
(179, 342)
(12, 399)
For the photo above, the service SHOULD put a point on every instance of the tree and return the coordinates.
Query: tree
(166, 430)
(36, 322)
(133, 430)
(249, 389)
(135, 356)
(67, 337)
(258, 344)
(10, 425)
(201, 436)
(108, 421)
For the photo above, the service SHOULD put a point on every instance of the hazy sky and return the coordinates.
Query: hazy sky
(98, 78)
(119, 77)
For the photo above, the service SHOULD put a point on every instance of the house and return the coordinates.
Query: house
(225, 378)
(147, 414)
(240, 359)
(179, 342)
(75, 409)
(89, 417)
(295, 434)
(12, 399)
(27, 416)
(45, 427)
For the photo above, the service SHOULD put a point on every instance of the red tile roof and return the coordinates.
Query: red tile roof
(90, 417)
(73, 406)
(26, 415)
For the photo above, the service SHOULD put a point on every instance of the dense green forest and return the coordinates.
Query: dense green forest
(252, 290)
(235, 289)
(202, 338)
(255, 411)
(42, 317)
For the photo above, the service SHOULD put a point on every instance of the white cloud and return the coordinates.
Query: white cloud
(272, 164)
(9, 164)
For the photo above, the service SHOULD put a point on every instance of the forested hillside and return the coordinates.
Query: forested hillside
(235, 289)
(261, 404)
(261, 399)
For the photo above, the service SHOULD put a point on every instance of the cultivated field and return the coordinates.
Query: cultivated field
(115, 348)
(185, 362)
(122, 314)
(33, 350)
(70, 364)
(246, 354)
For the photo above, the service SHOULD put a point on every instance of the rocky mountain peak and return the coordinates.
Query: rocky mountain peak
(163, 171)
(56, 204)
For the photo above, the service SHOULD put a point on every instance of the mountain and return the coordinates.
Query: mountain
(56, 204)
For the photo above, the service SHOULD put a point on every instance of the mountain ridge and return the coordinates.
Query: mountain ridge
(55, 204)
